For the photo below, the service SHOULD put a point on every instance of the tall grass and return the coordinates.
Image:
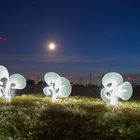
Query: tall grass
(36, 117)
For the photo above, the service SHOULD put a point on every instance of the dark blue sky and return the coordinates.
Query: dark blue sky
(91, 36)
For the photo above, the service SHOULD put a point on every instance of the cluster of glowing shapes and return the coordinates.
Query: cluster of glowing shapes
(7, 83)
(57, 87)
(114, 88)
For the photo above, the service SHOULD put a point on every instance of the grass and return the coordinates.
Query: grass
(35, 117)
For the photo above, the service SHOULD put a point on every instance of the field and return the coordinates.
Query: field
(36, 117)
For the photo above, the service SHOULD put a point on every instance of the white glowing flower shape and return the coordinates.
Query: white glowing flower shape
(15, 81)
(57, 87)
(114, 88)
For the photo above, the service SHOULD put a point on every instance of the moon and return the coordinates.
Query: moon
(51, 46)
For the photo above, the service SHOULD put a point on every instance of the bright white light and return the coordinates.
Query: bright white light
(114, 88)
(15, 81)
(52, 46)
(58, 87)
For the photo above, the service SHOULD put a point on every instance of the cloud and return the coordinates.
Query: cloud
(49, 58)
(137, 65)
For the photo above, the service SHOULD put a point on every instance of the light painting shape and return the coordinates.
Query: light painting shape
(57, 87)
(7, 83)
(115, 88)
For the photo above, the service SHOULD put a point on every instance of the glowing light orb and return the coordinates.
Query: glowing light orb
(57, 87)
(15, 81)
(52, 46)
(3, 38)
(114, 88)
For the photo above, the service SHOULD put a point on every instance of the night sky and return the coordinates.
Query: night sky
(90, 35)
